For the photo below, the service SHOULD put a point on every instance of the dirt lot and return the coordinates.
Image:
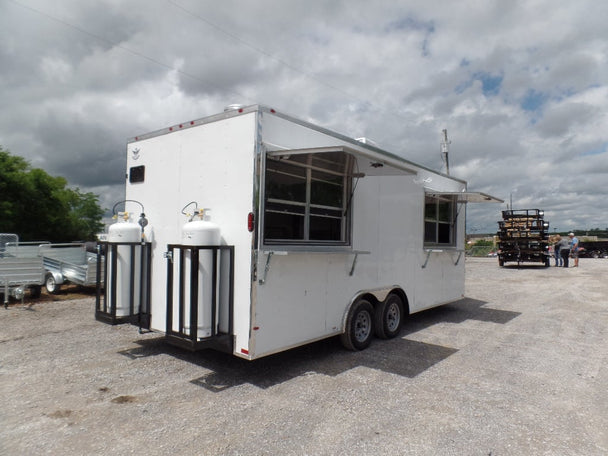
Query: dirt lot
(519, 367)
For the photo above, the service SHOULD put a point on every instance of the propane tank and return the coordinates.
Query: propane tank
(125, 230)
(198, 231)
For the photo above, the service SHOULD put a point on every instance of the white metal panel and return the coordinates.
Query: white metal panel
(469, 197)
(369, 163)
(212, 164)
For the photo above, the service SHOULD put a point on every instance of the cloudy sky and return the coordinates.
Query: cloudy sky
(521, 86)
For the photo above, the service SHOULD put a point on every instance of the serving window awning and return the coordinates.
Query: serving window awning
(369, 163)
(466, 197)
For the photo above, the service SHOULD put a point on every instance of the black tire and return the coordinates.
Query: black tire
(359, 329)
(51, 285)
(388, 317)
(35, 291)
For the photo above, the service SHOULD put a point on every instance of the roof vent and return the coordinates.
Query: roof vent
(234, 107)
(367, 141)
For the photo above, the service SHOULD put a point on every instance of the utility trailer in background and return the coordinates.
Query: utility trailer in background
(266, 232)
(68, 263)
(21, 268)
(523, 237)
(593, 249)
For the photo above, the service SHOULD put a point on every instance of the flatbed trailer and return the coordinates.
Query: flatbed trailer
(21, 268)
(68, 263)
(594, 249)
(523, 237)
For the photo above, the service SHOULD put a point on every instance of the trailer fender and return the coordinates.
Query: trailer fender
(57, 276)
(53, 281)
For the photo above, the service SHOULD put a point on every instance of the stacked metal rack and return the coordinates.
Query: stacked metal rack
(523, 236)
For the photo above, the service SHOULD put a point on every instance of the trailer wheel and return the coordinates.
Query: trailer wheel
(388, 317)
(51, 285)
(359, 326)
(35, 291)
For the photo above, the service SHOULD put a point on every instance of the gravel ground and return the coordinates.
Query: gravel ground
(519, 367)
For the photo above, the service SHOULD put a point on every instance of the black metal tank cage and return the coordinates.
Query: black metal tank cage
(185, 333)
(106, 301)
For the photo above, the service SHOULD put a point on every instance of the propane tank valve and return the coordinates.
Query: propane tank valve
(143, 221)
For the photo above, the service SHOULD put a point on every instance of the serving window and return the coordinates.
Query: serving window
(306, 197)
(439, 221)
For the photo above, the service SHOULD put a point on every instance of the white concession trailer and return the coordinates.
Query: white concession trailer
(252, 232)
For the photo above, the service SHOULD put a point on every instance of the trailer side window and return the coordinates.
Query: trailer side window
(305, 199)
(439, 227)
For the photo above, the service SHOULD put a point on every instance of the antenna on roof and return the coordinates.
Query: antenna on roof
(444, 151)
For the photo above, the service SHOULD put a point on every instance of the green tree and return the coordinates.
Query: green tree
(37, 206)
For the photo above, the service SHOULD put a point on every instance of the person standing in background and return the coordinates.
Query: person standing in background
(564, 250)
(574, 248)
(556, 248)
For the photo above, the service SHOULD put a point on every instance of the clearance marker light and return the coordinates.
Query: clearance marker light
(250, 219)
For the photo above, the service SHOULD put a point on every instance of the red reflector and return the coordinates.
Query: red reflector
(250, 220)
(246, 352)
(255, 328)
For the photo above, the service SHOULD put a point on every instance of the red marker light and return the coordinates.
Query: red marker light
(250, 222)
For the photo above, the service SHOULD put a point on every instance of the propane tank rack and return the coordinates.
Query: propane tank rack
(134, 267)
(183, 265)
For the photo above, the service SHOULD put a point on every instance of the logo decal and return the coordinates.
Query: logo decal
(135, 153)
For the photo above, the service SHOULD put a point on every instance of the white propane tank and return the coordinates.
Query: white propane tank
(124, 230)
(197, 232)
